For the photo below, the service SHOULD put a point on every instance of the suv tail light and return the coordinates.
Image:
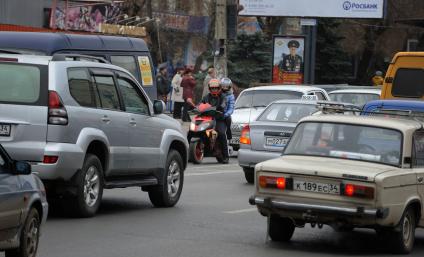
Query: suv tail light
(245, 135)
(353, 190)
(273, 182)
(57, 112)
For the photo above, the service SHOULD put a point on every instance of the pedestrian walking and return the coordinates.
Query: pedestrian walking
(162, 83)
(211, 75)
(188, 84)
(177, 93)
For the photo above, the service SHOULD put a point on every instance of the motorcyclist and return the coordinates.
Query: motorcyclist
(227, 91)
(216, 98)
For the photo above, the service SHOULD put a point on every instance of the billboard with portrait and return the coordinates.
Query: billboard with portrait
(288, 59)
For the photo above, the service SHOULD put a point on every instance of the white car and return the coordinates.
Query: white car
(347, 171)
(358, 97)
(251, 102)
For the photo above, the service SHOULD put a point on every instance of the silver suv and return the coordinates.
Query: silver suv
(85, 126)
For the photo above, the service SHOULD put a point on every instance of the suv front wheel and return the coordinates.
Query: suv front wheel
(168, 194)
(89, 187)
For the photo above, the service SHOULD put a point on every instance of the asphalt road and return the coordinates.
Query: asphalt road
(213, 218)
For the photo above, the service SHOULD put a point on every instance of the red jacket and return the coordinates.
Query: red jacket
(188, 84)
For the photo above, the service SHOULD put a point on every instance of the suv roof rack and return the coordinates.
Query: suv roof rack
(78, 57)
(329, 107)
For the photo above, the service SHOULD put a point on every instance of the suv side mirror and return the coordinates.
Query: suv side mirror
(21, 168)
(159, 106)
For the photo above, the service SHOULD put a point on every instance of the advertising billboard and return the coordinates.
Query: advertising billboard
(314, 8)
(288, 59)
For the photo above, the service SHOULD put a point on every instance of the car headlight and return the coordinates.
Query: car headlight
(205, 125)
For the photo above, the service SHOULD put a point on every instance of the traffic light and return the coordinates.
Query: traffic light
(232, 12)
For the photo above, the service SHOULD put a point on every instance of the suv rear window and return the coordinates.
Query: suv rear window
(20, 83)
(408, 83)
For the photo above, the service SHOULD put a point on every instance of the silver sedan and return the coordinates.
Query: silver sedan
(266, 137)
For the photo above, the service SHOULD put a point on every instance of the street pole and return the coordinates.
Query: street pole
(220, 51)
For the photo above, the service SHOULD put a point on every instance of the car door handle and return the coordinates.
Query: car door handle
(133, 122)
(106, 119)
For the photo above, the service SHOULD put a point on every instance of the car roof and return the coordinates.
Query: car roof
(50, 43)
(403, 125)
(295, 101)
(296, 88)
(358, 91)
(32, 59)
(397, 103)
(45, 60)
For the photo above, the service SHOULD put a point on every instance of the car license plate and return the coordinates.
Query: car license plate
(235, 141)
(316, 187)
(276, 141)
(4, 130)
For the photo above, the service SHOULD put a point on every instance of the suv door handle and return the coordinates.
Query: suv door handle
(133, 122)
(105, 119)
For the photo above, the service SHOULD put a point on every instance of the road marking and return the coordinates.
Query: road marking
(209, 173)
(241, 211)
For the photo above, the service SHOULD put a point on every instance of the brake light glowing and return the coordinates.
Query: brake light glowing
(272, 182)
(57, 112)
(352, 190)
(281, 183)
(245, 135)
(49, 159)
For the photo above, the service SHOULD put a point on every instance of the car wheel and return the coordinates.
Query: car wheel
(168, 194)
(249, 174)
(89, 188)
(402, 238)
(196, 152)
(280, 229)
(29, 238)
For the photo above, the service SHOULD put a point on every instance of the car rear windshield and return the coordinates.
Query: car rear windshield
(20, 83)
(287, 112)
(408, 83)
(262, 98)
(346, 141)
(358, 99)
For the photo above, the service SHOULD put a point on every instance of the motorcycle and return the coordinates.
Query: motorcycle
(203, 136)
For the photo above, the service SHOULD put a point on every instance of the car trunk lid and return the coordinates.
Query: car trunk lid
(270, 136)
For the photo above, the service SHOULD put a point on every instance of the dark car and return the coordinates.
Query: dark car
(23, 207)
(395, 108)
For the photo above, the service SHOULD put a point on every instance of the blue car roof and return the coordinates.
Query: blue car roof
(395, 104)
(51, 43)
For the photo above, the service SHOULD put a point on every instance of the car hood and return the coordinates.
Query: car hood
(324, 167)
(246, 115)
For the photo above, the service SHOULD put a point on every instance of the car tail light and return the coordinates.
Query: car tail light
(57, 112)
(49, 159)
(272, 182)
(245, 135)
(353, 190)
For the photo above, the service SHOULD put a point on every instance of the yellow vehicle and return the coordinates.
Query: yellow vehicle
(405, 77)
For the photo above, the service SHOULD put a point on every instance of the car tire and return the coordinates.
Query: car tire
(168, 194)
(249, 174)
(29, 238)
(89, 184)
(196, 152)
(280, 229)
(401, 239)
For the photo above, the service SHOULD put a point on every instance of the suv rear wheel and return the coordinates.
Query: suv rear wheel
(280, 229)
(89, 187)
(168, 194)
(30, 233)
